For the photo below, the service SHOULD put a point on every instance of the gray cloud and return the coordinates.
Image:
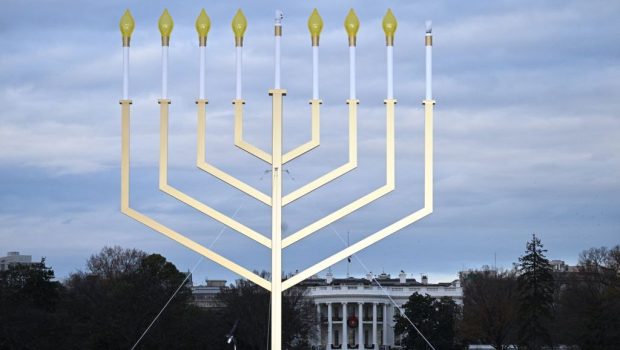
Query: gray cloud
(526, 130)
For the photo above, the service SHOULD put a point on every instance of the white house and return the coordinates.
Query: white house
(354, 313)
(358, 313)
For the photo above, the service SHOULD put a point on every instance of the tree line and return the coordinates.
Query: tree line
(533, 306)
(119, 294)
(115, 299)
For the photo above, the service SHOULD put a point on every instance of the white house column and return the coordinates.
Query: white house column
(318, 316)
(360, 326)
(330, 331)
(345, 338)
(385, 324)
(374, 326)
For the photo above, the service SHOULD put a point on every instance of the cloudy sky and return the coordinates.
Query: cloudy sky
(527, 131)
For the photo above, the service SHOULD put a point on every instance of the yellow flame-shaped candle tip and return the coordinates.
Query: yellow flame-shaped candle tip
(389, 26)
(127, 25)
(239, 25)
(203, 24)
(315, 26)
(165, 24)
(352, 25)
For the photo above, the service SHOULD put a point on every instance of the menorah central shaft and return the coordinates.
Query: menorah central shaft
(276, 219)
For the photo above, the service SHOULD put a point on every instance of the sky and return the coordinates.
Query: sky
(527, 131)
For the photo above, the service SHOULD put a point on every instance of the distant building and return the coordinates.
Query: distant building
(14, 258)
(561, 266)
(354, 313)
(206, 295)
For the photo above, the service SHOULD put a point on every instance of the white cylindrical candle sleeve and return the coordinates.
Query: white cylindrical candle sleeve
(201, 85)
(238, 71)
(277, 63)
(390, 72)
(315, 72)
(125, 72)
(429, 72)
(164, 72)
(352, 72)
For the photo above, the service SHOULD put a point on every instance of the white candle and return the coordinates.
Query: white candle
(127, 25)
(390, 72)
(429, 61)
(164, 72)
(277, 64)
(315, 72)
(352, 72)
(315, 25)
(278, 37)
(125, 72)
(201, 88)
(239, 54)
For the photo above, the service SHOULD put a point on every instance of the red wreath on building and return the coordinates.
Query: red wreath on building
(352, 321)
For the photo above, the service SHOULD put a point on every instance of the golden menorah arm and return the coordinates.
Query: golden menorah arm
(240, 142)
(336, 173)
(365, 200)
(398, 225)
(202, 164)
(315, 139)
(354, 248)
(207, 253)
(153, 224)
(175, 193)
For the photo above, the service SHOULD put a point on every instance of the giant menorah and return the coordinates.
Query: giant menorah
(276, 158)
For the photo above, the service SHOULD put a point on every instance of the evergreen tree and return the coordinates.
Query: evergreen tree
(536, 289)
(435, 318)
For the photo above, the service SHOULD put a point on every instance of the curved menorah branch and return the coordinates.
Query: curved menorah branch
(175, 193)
(205, 209)
(315, 139)
(240, 142)
(153, 224)
(341, 170)
(389, 186)
(398, 225)
(202, 164)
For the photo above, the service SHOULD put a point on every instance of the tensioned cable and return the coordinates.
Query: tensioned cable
(185, 280)
(402, 312)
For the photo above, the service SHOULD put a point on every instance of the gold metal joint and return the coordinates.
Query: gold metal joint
(389, 40)
(164, 100)
(278, 30)
(238, 101)
(393, 100)
(238, 41)
(202, 101)
(312, 101)
(123, 102)
(277, 91)
(356, 101)
(165, 41)
(352, 40)
(202, 41)
(126, 40)
(425, 102)
(428, 40)
(315, 40)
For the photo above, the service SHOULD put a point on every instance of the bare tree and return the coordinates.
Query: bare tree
(489, 308)
(114, 261)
